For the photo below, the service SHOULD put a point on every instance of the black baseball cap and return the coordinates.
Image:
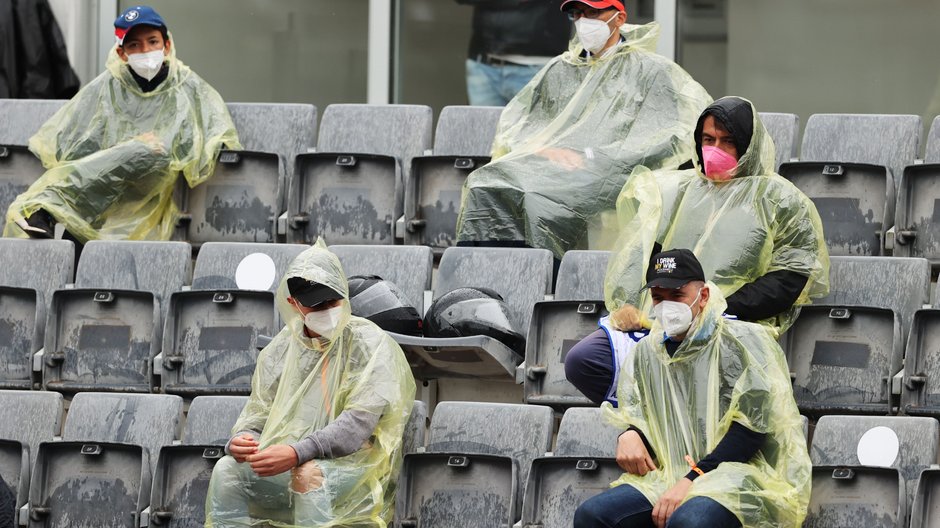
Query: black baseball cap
(309, 293)
(673, 269)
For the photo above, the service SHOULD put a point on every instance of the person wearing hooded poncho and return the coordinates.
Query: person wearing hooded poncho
(319, 442)
(113, 153)
(567, 142)
(759, 239)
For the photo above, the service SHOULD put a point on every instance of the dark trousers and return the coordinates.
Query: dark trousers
(625, 507)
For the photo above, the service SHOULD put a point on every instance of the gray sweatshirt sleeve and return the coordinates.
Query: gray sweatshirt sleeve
(344, 436)
(254, 434)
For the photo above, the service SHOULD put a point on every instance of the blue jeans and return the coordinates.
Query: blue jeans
(625, 507)
(496, 85)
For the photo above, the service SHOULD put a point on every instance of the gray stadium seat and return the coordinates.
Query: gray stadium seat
(559, 324)
(475, 467)
(26, 419)
(416, 428)
(521, 276)
(784, 129)
(181, 481)
(870, 494)
(104, 334)
(408, 267)
(924, 512)
(921, 390)
(25, 294)
(211, 332)
(917, 218)
(19, 168)
(582, 466)
(100, 473)
(851, 177)
(932, 151)
(462, 143)
(284, 129)
(351, 190)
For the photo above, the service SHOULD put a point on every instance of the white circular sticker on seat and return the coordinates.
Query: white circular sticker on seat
(255, 272)
(878, 447)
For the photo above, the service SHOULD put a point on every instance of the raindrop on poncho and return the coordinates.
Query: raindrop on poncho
(724, 371)
(113, 154)
(567, 142)
(741, 229)
(302, 384)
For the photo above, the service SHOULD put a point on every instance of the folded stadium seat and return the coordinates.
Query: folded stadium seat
(559, 324)
(30, 270)
(26, 419)
(211, 333)
(181, 480)
(921, 390)
(351, 190)
(19, 168)
(521, 276)
(851, 177)
(246, 194)
(409, 268)
(582, 466)
(865, 469)
(413, 440)
(462, 143)
(918, 215)
(475, 467)
(784, 129)
(845, 349)
(100, 473)
(924, 512)
(104, 334)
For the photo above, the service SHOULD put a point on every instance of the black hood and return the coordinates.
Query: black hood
(736, 115)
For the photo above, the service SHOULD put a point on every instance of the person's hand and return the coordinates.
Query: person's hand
(632, 455)
(669, 501)
(242, 446)
(628, 318)
(273, 460)
(151, 140)
(566, 158)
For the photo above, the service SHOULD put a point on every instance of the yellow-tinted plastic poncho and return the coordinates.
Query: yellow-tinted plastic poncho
(567, 142)
(741, 229)
(724, 371)
(113, 154)
(302, 384)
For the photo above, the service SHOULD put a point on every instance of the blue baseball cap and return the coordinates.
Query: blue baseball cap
(136, 16)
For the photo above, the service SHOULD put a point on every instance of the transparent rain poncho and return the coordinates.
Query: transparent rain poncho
(113, 154)
(302, 384)
(567, 142)
(741, 229)
(724, 371)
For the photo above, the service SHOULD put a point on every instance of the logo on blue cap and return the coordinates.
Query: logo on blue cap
(131, 15)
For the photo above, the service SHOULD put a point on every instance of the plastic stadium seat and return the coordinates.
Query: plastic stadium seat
(19, 168)
(409, 268)
(181, 480)
(463, 142)
(784, 129)
(416, 429)
(932, 150)
(476, 464)
(100, 473)
(582, 465)
(851, 178)
(351, 190)
(30, 270)
(211, 332)
(921, 389)
(865, 469)
(284, 129)
(924, 512)
(918, 214)
(521, 276)
(104, 334)
(559, 324)
(26, 419)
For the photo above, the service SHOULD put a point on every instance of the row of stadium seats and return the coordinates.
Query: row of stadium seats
(136, 319)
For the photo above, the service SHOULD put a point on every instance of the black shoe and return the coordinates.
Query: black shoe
(40, 224)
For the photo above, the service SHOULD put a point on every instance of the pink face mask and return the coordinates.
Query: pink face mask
(718, 164)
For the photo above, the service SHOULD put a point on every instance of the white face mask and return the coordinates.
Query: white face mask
(147, 65)
(675, 317)
(593, 33)
(324, 322)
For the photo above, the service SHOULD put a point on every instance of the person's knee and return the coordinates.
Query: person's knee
(587, 515)
(702, 512)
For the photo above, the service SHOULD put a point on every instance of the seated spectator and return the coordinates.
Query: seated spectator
(319, 441)
(567, 142)
(113, 153)
(758, 237)
(712, 434)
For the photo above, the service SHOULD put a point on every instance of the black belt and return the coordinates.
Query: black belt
(490, 60)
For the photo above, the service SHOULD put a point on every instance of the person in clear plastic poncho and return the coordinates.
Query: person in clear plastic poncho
(567, 142)
(759, 239)
(319, 442)
(712, 434)
(113, 152)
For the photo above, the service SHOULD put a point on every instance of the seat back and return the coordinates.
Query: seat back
(160, 268)
(243, 266)
(585, 432)
(408, 267)
(466, 130)
(416, 428)
(784, 129)
(581, 276)
(23, 117)
(30, 417)
(283, 129)
(19, 169)
(917, 218)
(921, 390)
(924, 512)
(402, 131)
(932, 152)
(210, 419)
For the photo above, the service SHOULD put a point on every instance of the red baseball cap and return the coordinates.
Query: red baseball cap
(596, 4)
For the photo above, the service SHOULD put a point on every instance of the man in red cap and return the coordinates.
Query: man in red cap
(596, 22)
